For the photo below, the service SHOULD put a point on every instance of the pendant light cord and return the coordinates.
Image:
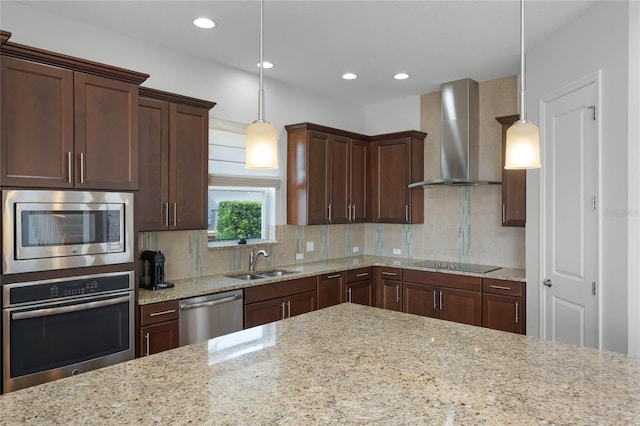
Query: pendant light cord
(261, 70)
(523, 114)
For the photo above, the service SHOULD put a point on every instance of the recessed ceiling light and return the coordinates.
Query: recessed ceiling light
(349, 76)
(266, 64)
(204, 23)
(401, 76)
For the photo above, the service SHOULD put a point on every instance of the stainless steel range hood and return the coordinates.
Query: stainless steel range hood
(460, 136)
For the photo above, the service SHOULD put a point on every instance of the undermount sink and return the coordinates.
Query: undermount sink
(261, 274)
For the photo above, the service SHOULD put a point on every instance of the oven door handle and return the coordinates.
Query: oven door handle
(37, 313)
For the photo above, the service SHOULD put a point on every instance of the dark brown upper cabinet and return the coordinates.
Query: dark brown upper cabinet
(397, 159)
(514, 183)
(326, 175)
(67, 122)
(174, 142)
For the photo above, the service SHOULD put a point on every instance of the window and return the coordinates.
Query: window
(241, 202)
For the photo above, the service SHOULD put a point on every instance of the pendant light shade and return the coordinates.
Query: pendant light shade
(262, 139)
(523, 137)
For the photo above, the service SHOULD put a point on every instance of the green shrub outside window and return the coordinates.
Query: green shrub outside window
(239, 220)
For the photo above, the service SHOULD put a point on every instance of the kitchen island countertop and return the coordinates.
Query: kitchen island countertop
(198, 286)
(347, 364)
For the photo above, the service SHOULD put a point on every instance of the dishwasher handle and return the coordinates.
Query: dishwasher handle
(187, 306)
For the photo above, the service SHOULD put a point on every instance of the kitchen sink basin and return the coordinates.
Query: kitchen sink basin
(272, 273)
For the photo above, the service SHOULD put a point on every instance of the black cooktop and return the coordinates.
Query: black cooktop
(455, 266)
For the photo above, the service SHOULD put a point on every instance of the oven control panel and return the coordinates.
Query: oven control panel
(63, 288)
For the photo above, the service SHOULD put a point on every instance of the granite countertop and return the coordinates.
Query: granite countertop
(330, 367)
(198, 286)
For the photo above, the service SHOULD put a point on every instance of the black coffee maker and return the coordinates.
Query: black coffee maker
(153, 270)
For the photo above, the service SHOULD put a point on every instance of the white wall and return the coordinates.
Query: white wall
(393, 116)
(596, 41)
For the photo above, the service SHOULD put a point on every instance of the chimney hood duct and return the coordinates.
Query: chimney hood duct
(460, 136)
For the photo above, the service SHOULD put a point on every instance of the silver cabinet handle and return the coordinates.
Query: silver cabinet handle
(186, 306)
(349, 295)
(435, 301)
(168, 311)
(349, 212)
(354, 212)
(282, 306)
(547, 283)
(391, 274)
(330, 277)
(175, 214)
(147, 338)
(82, 167)
(289, 308)
(37, 313)
(503, 213)
(406, 212)
(397, 293)
(69, 167)
(329, 213)
(500, 287)
(517, 311)
(441, 300)
(364, 274)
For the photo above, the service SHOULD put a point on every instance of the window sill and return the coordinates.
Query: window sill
(224, 245)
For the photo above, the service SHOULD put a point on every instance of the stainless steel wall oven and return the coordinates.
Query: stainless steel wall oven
(49, 230)
(62, 327)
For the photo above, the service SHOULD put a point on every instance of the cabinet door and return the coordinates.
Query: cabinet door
(317, 179)
(393, 173)
(301, 303)
(152, 198)
(361, 292)
(514, 184)
(358, 175)
(461, 306)
(188, 145)
(502, 313)
(330, 289)
(106, 133)
(260, 313)
(420, 299)
(339, 179)
(37, 125)
(391, 294)
(159, 337)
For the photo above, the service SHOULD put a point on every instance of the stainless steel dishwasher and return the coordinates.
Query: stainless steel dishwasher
(205, 317)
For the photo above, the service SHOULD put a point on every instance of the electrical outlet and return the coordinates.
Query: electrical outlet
(309, 245)
(397, 251)
(356, 249)
(299, 256)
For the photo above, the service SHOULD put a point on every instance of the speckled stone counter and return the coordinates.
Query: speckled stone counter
(347, 365)
(198, 286)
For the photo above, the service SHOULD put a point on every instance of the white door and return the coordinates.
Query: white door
(570, 176)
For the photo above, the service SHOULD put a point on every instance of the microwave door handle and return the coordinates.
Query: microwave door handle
(37, 313)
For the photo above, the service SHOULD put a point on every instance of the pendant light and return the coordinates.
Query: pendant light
(523, 137)
(262, 140)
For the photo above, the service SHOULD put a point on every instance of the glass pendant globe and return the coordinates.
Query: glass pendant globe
(262, 146)
(523, 146)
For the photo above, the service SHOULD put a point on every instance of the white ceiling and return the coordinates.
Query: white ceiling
(313, 42)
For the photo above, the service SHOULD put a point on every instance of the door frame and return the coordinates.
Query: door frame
(591, 78)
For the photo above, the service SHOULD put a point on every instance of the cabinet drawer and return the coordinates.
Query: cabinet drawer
(281, 289)
(438, 279)
(158, 312)
(391, 273)
(508, 288)
(360, 274)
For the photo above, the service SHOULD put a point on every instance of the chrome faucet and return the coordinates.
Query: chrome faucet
(254, 258)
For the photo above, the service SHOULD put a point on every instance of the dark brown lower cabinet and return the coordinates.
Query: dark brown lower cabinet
(159, 328)
(503, 305)
(360, 286)
(273, 302)
(390, 288)
(420, 299)
(461, 306)
(330, 289)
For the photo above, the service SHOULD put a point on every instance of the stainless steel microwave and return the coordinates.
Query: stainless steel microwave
(47, 230)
